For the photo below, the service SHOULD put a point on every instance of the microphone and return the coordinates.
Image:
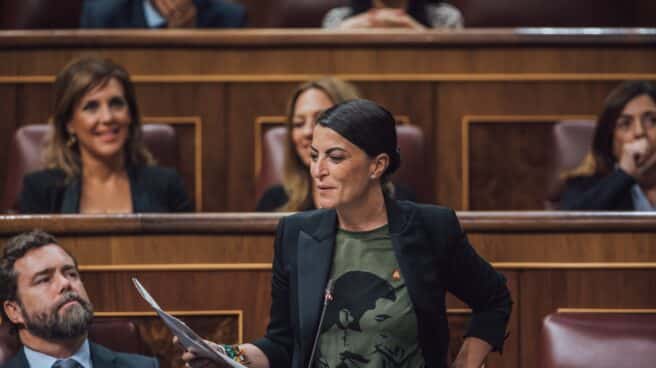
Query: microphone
(327, 298)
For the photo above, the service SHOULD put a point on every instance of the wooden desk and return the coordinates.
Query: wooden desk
(485, 99)
(214, 269)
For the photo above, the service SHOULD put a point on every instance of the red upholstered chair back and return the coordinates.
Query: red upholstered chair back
(117, 334)
(26, 152)
(578, 340)
(300, 13)
(556, 13)
(572, 141)
(411, 174)
(36, 14)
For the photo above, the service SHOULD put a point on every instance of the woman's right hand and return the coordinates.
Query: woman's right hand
(192, 361)
(637, 158)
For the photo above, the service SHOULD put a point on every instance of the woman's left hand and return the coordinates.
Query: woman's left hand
(472, 354)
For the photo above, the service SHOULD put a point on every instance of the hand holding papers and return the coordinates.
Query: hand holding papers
(186, 336)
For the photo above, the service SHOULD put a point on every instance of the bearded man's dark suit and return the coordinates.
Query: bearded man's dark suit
(434, 256)
(101, 357)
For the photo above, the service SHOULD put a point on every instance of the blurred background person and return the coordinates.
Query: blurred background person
(95, 157)
(306, 103)
(162, 14)
(620, 171)
(409, 14)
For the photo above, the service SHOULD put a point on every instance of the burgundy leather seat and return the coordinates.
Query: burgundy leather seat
(38, 14)
(578, 340)
(117, 334)
(572, 141)
(296, 13)
(411, 174)
(26, 152)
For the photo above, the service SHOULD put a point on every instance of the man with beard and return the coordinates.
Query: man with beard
(44, 300)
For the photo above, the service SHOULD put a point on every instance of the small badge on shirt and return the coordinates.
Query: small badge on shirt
(396, 275)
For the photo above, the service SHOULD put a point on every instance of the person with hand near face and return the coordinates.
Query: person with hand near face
(620, 171)
(400, 14)
(162, 14)
(390, 264)
(45, 303)
(95, 157)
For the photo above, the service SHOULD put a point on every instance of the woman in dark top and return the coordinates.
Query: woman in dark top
(620, 171)
(386, 265)
(307, 102)
(95, 158)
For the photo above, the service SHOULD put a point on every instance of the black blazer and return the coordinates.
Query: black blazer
(600, 193)
(101, 357)
(130, 14)
(153, 189)
(434, 256)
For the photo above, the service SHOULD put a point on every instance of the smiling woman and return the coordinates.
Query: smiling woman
(97, 162)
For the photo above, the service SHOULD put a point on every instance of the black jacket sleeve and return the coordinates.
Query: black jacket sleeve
(611, 192)
(277, 343)
(272, 199)
(473, 280)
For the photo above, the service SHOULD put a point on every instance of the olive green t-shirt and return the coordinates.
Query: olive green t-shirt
(370, 322)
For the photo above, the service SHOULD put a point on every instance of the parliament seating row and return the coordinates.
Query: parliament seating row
(35, 14)
(572, 139)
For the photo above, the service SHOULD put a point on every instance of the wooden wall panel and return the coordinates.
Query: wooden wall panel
(7, 127)
(206, 101)
(247, 102)
(542, 292)
(457, 101)
(507, 165)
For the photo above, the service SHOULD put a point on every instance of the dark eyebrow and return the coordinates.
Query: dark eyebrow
(42, 272)
(333, 149)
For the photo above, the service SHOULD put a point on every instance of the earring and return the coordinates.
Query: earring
(72, 139)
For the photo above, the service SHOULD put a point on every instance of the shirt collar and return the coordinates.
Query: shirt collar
(153, 18)
(37, 359)
(639, 199)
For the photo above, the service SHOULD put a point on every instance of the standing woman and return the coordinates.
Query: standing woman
(95, 157)
(391, 263)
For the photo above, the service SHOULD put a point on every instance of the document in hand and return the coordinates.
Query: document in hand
(187, 337)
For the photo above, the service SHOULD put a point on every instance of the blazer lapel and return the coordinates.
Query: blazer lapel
(101, 357)
(315, 254)
(71, 200)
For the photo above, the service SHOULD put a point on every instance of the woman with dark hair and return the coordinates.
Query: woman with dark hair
(410, 14)
(95, 157)
(620, 171)
(308, 100)
(386, 265)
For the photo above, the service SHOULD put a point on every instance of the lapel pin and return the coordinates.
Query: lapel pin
(396, 275)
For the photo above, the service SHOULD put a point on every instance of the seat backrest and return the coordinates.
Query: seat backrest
(118, 334)
(300, 13)
(572, 141)
(38, 14)
(410, 175)
(26, 153)
(555, 13)
(598, 340)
